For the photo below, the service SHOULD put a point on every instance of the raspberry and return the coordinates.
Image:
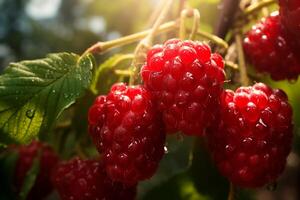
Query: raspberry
(128, 132)
(290, 18)
(48, 159)
(186, 81)
(86, 180)
(267, 48)
(253, 136)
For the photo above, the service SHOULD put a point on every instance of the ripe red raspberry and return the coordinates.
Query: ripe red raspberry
(253, 136)
(48, 160)
(267, 48)
(129, 133)
(290, 18)
(186, 80)
(86, 180)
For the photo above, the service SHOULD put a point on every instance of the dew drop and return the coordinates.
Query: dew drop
(30, 113)
(166, 149)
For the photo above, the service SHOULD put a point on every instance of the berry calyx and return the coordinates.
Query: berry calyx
(253, 136)
(268, 48)
(186, 81)
(48, 160)
(128, 132)
(79, 179)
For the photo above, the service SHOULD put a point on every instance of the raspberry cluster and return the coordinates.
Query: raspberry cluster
(249, 130)
(79, 179)
(186, 81)
(48, 160)
(252, 138)
(128, 131)
(269, 49)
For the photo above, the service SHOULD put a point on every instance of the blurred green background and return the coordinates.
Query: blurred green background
(31, 29)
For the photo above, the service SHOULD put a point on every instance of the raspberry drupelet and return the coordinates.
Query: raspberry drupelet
(254, 134)
(186, 81)
(48, 160)
(79, 179)
(267, 47)
(128, 132)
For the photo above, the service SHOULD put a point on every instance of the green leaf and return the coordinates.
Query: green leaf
(7, 170)
(105, 77)
(34, 93)
(177, 160)
(30, 178)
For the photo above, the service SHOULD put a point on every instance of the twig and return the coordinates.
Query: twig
(231, 192)
(241, 59)
(101, 47)
(143, 46)
(196, 23)
(123, 72)
(215, 39)
(255, 7)
(226, 17)
(93, 86)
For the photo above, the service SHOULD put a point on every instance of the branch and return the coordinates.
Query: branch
(226, 17)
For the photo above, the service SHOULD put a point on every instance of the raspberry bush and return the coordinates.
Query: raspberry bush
(183, 111)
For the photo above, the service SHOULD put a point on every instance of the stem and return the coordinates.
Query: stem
(123, 72)
(101, 47)
(80, 152)
(183, 15)
(231, 65)
(196, 22)
(231, 192)
(98, 71)
(256, 7)
(226, 17)
(143, 46)
(155, 13)
(159, 21)
(241, 59)
(220, 42)
(182, 5)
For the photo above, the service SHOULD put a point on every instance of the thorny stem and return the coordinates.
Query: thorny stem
(257, 6)
(143, 46)
(241, 59)
(231, 192)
